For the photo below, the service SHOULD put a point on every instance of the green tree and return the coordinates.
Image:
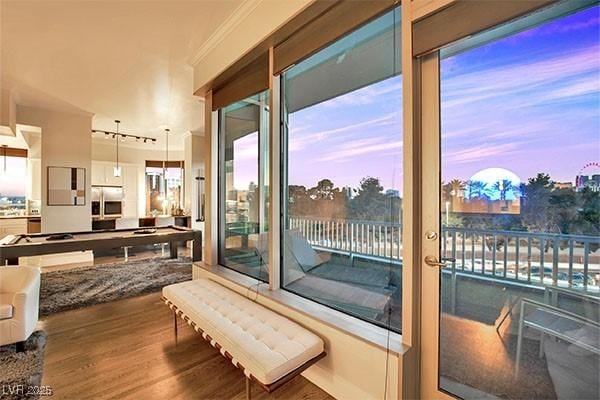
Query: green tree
(588, 213)
(324, 190)
(370, 203)
(536, 213)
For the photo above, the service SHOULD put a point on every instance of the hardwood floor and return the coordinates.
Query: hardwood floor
(125, 350)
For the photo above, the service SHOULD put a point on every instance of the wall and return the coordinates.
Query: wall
(65, 142)
(194, 167)
(8, 119)
(34, 163)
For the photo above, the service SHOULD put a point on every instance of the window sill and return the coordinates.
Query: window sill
(355, 327)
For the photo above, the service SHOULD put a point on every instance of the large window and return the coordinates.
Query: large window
(243, 187)
(13, 181)
(520, 146)
(164, 187)
(342, 176)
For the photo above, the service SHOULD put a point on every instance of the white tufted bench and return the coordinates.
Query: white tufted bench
(269, 348)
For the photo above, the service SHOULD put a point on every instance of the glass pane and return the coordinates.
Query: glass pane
(243, 190)
(13, 185)
(520, 204)
(341, 231)
(159, 201)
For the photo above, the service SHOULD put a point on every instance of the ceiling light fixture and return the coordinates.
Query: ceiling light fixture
(167, 130)
(121, 136)
(117, 169)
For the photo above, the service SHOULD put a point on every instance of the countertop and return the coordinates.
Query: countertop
(19, 216)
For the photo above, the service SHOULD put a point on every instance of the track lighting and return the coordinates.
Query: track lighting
(121, 136)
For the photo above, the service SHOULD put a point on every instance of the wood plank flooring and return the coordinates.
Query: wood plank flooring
(125, 350)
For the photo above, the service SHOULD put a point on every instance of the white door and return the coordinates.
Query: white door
(510, 248)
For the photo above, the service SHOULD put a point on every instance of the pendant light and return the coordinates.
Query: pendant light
(165, 197)
(117, 169)
(4, 150)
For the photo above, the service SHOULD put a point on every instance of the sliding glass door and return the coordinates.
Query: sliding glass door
(511, 281)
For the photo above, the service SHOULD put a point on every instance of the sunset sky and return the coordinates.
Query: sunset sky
(528, 103)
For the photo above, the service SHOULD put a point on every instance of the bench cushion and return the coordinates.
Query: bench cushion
(268, 345)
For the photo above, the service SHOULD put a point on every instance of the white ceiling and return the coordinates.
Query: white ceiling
(122, 60)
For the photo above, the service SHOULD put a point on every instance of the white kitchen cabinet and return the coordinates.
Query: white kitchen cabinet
(110, 177)
(103, 174)
(130, 191)
(98, 173)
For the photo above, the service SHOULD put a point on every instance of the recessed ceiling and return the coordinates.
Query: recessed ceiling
(122, 60)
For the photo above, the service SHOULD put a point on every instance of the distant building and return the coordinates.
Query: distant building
(585, 181)
(392, 193)
(563, 185)
(484, 206)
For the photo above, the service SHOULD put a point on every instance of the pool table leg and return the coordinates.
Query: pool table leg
(197, 246)
(173, 249)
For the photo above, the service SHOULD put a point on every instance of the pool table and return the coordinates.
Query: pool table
(14, 246)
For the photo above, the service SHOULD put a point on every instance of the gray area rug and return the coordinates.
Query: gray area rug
(86, 286)
(19, 372)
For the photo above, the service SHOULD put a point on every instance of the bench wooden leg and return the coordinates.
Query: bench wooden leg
(248, 389)
(175, 325)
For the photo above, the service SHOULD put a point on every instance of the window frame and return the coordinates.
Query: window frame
(283, 168)
(165, 164)
(220, 192)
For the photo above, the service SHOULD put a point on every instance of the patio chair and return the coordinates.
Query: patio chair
(558, 323)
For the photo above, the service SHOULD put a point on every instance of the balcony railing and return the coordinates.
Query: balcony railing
(524, 257)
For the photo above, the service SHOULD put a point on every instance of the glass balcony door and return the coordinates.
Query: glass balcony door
(511, 260)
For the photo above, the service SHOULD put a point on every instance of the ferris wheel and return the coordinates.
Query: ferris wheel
(586, 168)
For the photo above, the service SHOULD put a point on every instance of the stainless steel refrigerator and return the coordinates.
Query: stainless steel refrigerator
(107, 201)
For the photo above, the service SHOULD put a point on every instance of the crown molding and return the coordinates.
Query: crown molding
(238, 15)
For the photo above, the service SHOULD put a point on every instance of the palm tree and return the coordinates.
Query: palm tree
(504, 186)
(477, 189)
(457, 186)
